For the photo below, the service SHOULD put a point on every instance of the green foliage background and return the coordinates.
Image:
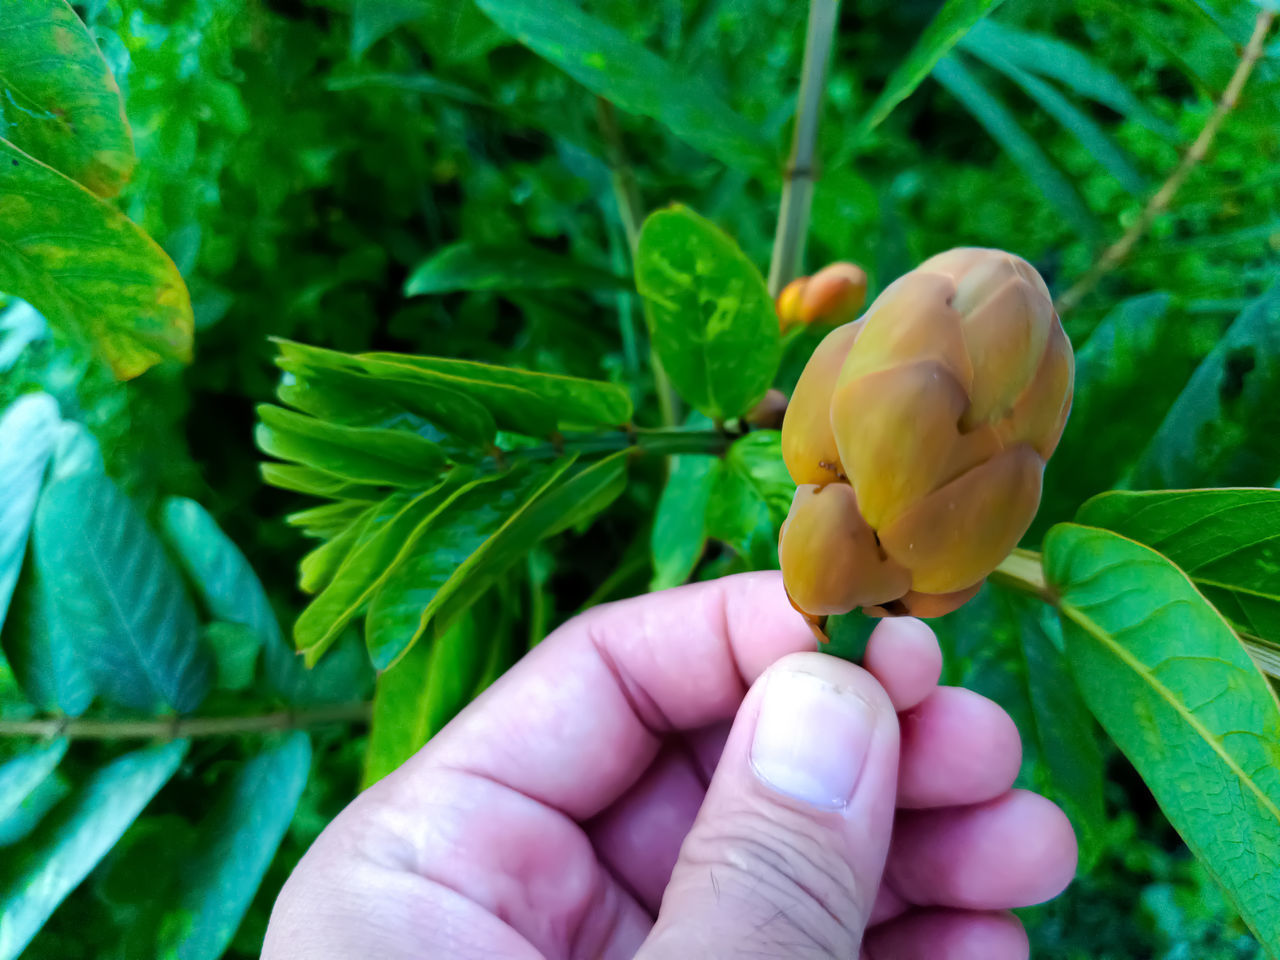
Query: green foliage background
(305, 162)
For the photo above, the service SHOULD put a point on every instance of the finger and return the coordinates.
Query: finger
(903, 654)
(958, 748)
(1014, 851)
(949, 935)
(787, 851)
(582, 716)
(639, 837)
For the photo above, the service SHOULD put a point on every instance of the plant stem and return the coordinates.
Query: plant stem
(1023, 571)
(181, 727)
(1115, 254)
(797, 185)
(662, 440)
(626, 194)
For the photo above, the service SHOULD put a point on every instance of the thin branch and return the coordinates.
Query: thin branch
(1115, 254)
(797, 185)
(182, 727)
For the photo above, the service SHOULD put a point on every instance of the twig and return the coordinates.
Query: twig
(181, 727)
(797, 185)
(1115, 254)
(631, 211)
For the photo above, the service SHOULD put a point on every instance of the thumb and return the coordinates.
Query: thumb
(785, 857)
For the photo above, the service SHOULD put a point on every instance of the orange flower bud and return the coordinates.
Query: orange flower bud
(830, 298)
(937, 411)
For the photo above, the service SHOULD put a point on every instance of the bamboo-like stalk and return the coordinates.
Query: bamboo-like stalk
(797, 186)
(175, 728)
(1115, 254)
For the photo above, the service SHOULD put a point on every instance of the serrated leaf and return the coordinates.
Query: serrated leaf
(421, 692)
(953, 20)
(1060, 61)
(71, 840)
(466, 266)
(94, 275)
(1224, 428)
(21, 774)
(391, 534)
(614, 67)
(116, 593)
(1226, 541)
(525, 401)
(1170, 682)
(357, 454)
(236, 844)
(27, 437)
(58, 99)
(679, 523)
(994, 117)
(711, 319)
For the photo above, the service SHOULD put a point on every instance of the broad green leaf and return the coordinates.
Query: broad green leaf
(371, 20)
(58, 99)
(224, 582)
(995, 118)
(392, 533)
(421, 692)
(358, 392)
(23, 773)
(318, 567)
(738, 514)
(1172, 685)
(236, 844)
(71, 840)
(1226, 541)
(1067, 743)
(711, 319)
(614, 67)
(1060, 61)
(330, 519)
(1224, 429)
(949, 25)
(309, 480)
(465, 266)
(77, 451)
(448, 555)
(27, 437)
(679, 526)
(1074, 120)
(21, 821)
(235, 650)
(41, 649)
(94, 275)
(758, 458)
(358, 454)
(119, 597)
(521, 400)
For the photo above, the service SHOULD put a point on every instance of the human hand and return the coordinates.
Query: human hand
(671, 777)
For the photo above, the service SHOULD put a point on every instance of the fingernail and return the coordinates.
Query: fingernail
(811, 739)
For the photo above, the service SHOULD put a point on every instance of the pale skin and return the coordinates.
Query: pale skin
(679, 775)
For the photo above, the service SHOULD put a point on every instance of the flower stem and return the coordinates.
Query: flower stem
(173, 728)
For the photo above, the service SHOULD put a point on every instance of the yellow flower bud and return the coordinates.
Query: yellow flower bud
(830, 298)
(936, 411)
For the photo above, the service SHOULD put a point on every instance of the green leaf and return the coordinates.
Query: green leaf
(1064, 731)
(330, 519)
(318, 567)
(58, 99)
(70, 841)
(119, 597)
(995, 118)
(679, 525)
(388, 539)
(309, 480)
(421, 692)
(465, 266)
(949, 25)
(235, 653)
(94, 275)
(1170, 682)
(41, 649)
(23, 773)
(46, 795)
(711, 319)
(614, 67)
(739, 515)
(1224, 429)
(758, 458)
(1060, 61)
(357, 454)
(27, 436)
(224, 582)
(371, 20)
(236, 844)
(1226, 541)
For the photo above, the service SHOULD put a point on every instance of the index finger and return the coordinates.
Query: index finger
(579, 719)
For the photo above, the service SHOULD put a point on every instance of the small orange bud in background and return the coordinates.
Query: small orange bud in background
(918, 435)
(831, 297)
